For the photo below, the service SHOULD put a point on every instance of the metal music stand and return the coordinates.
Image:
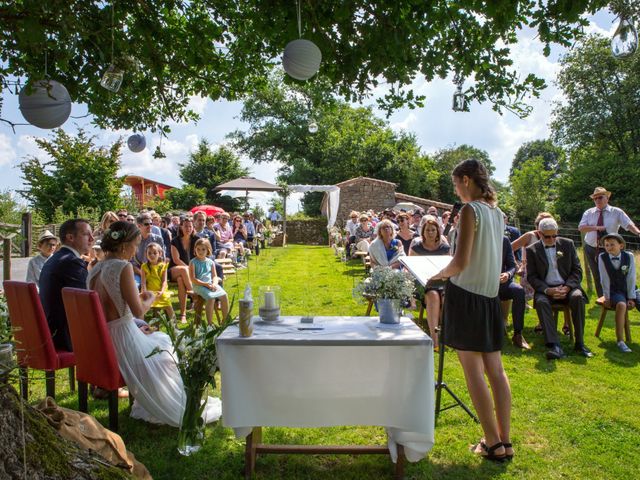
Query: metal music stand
(441, 385)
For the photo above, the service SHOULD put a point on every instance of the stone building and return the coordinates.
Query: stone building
(364, 193)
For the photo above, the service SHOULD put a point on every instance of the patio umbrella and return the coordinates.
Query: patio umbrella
(210, 210)
(406, 206)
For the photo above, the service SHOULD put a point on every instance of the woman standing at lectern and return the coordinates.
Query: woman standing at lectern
(472, 316)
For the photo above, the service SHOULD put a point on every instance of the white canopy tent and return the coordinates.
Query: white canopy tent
(332, 203)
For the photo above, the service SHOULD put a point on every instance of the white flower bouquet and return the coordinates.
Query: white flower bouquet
(386, 282)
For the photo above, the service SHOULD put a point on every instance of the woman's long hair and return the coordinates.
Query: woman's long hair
(476, 171)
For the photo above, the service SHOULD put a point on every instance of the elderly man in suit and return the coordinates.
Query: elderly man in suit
(554, 272)
(65, 268)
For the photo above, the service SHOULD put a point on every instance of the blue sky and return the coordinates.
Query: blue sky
(435, 125)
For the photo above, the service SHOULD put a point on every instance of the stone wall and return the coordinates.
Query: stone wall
(365, 194)
(307, 232)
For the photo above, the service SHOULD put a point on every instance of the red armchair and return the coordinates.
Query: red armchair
(96, 359)
(34, 345)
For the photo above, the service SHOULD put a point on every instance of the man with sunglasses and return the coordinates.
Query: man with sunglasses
(122, 214)
(596, 222)
(554, 272)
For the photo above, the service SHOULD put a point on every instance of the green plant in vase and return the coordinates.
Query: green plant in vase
(195, 354)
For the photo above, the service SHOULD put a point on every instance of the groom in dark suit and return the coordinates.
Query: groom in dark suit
(65, 268)
(554, 272)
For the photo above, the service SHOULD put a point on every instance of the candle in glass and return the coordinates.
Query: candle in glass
(269, 300)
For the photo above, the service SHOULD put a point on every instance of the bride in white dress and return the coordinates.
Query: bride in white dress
(154, 382)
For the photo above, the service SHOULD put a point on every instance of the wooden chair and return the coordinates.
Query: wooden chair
(96, 358)
(34, 344)
(556, 308)
(603, 315)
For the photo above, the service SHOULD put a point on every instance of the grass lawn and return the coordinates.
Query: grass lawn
(573, 418)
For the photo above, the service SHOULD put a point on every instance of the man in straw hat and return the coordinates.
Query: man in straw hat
(47, 244)
(596, 222)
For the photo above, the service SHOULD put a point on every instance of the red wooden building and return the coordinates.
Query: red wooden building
(146, 189)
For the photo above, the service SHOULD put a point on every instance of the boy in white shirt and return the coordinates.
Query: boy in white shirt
(618, 279)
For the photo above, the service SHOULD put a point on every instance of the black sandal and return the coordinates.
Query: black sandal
(490, 452)
(506, 455)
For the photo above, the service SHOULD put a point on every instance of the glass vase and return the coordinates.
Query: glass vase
(191, 435)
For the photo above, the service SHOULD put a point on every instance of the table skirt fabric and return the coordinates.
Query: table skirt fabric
(356, 382)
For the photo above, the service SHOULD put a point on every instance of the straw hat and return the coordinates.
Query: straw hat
(46, 235)
(600, 191)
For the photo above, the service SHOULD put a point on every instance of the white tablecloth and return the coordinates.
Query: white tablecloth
(349, 372)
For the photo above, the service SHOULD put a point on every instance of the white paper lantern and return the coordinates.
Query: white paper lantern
(313, 127)
(136, 142)
(48, 105)
(301, 59)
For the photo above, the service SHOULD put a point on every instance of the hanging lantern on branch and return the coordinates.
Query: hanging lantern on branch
(624, 42)
(45, 104)
(301, 58)
(136, 143)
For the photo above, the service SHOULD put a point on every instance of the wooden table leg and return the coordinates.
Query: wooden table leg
(253, 439)
(400, 463)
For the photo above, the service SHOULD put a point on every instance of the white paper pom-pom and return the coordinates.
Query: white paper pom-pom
(47, 106)
(136, 142)
(301, 59)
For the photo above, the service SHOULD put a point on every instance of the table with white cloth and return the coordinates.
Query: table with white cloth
(334, 371)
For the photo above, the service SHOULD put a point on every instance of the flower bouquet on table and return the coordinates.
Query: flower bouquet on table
(388, 287)
(195, 354)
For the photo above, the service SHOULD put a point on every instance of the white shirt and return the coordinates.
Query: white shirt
(630, 276)
(75, 252)
(553, 277)
(351, 227)
(612, 217)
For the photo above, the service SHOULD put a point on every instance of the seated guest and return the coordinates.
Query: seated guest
(513, 233)
(350, 227)
(144, 224)
(386, 250)
(107, 219)
(65, 268)
(47, 244)
(259, 232)
(250, 228)
(433, 211)
(239, 237)
(554, 272)
(618, 277)
(405, 234)
(182, 251)
(165, 233)
(416, 218)
(363, 235)
(430, 243)
(225, 233)
(510, 290)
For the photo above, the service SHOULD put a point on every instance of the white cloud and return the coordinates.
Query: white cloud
(405, 124)
(7, 152)
(198, 104)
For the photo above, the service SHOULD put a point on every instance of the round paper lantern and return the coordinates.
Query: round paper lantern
(301, 59)
(313, 127)
(47, 106)
(136, 142)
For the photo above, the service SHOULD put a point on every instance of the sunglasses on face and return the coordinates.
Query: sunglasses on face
(147, 224)
(548, 237)
(51, 244)
(599, 197)
(122, 215)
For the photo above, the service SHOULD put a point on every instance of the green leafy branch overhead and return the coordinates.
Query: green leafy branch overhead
(224, 49)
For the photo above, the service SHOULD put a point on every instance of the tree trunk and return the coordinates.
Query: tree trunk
(41, 453)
